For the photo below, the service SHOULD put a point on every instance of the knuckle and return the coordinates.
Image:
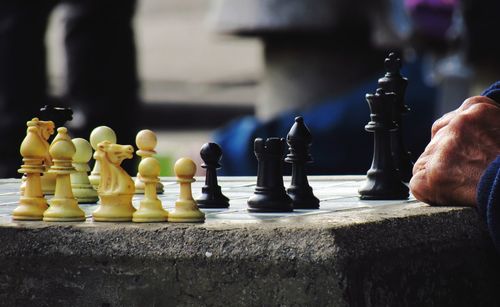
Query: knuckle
(474, 100)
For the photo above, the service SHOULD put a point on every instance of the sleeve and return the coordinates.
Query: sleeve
(488, 198)
(488, 190)
(493, 92)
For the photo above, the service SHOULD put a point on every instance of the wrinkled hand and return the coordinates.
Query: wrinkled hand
(462, 145)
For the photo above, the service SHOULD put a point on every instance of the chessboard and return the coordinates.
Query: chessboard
(336, 193)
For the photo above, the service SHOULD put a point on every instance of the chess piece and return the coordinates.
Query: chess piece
(82, 189)
(59, 115)
(32, 204)
(269, 194)
(116, 187)
(299, 140)
(146, 142)
(186, 209)
(150, 209)
(99, 134)
(45, 130)
(394, 82)
(211, 194)
(383, 181)
(63, 206)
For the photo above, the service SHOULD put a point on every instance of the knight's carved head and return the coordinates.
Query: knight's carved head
(45, 128)
(115, 153)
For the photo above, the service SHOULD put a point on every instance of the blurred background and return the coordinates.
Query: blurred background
(228, 71)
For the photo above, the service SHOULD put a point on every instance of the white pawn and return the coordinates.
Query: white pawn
(146, 142)
(99, 134)
(186, 210)
(150, 209)
(82, 189)
(63, 206)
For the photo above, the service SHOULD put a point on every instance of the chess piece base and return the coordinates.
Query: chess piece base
(265, 201)
(150, 211)
(63, 210)
(303, 199)
(30, 209)
(84, 193)
(186, 212)
(114, 208)
(213, 200)
(380, 186)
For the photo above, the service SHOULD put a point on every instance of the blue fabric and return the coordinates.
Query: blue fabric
(493, 92)
(488, 191)
(340, 144)
(488, 198)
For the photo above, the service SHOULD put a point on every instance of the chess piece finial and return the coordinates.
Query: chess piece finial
(59, 115)
(211, 194)
(44, 131)
(269, 194)
(116, 187)
(82, 189)
(299, 141)
(32, 204)
(63, 206)
(383, 180)
(394, 82)
(186, 209)
(98, 135)
(150, 209)
(146, 143)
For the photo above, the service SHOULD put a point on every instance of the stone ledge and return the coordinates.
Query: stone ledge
(389, 256)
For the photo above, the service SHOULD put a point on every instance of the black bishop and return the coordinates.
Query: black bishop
(299, 141)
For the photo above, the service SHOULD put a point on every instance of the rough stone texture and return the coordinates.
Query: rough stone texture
(393, 256)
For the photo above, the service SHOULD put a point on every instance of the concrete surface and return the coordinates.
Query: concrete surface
(389, 255)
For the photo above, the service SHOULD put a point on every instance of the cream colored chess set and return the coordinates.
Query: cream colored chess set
(61, 169)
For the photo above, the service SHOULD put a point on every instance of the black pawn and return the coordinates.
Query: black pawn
(394, 82)
(59, 115)
(299, 140)
(211, 194)
(269, 194)
(383, 180)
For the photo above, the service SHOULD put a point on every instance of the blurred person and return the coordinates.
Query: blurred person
(340, 144)
(101, 68)
(461, 164)
(355, 46)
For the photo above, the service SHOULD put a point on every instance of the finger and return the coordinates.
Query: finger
(469, 102)
(419, 186)
(442, 122)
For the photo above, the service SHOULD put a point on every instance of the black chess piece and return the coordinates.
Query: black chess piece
(211, 194)
(59, 115)
(269, 194)
(394, 82)
(299, 141)
(383, 180)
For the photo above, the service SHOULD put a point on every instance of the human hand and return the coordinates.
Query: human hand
(463, 143)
